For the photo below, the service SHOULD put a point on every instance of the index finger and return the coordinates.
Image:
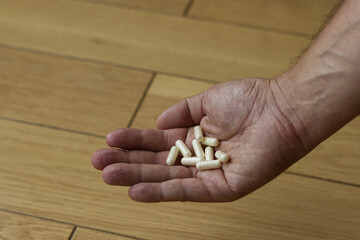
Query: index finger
(145, 139)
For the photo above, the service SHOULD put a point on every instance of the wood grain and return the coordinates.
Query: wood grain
(169, 6)
(20, 227)
(149, 41)
(336, 158)
(76, 95)
(51, 176)
(304, 17)
(87, 234)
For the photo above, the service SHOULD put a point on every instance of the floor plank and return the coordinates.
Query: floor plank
(168, 6)
(304, 17)
(164, 92)
(149, 41)
(76, 95)
(87, 234)
(20, 227)
(336, 158)
(47, 173)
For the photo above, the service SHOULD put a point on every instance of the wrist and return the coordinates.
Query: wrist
(322, 91)
(318, 98)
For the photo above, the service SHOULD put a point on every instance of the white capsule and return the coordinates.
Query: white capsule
(209, 141)
(174, 151)
(191, 161)
(209, 153)
(223, 157)
(199, 152)
(198, 133)
(205, 165)
(183, 149)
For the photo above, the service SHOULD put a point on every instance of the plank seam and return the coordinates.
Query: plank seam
(112, 233)
(51, 127)
(141, 100)
(87, 60)
(72, 234)
(197, 18)
(188, 7)
(250, 26)
(34, 216)
(70, 224)
(323, 179)
(129, 7)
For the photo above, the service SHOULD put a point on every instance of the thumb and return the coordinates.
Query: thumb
(186, 113)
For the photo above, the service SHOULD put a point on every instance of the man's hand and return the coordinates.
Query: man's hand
(244, 115)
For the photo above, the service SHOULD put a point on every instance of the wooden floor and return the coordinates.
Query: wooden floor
(72, 70)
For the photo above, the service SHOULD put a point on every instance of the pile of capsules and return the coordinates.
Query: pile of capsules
(202, 160)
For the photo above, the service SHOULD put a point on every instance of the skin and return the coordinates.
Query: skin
(265, 125)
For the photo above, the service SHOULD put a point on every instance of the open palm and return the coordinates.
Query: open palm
(249, 117)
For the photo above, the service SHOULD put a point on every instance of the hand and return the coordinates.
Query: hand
(249, 117)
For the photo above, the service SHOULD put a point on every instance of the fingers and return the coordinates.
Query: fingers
(103, 157)
(185, 113)
(145, 139)
(187, 189)
(124, 174)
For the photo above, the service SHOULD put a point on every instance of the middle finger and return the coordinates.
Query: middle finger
(104, 157)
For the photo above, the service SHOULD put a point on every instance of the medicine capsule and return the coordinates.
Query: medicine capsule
(209, 141)
(199, 152)
(183, 149)
(223, 157)
(205, 165)
(191, 161)
(198, 133)
(174, 151)
(209, 153)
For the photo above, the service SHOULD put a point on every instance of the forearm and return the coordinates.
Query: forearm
(321, 93)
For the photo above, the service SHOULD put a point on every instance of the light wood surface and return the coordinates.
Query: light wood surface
(337, 158)
(168, 6)
(20, 227)
(293, 16)
(52, 177)
(73, 70)
(67, 93)
(164, 92)
(149, 41)
(87, 234)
